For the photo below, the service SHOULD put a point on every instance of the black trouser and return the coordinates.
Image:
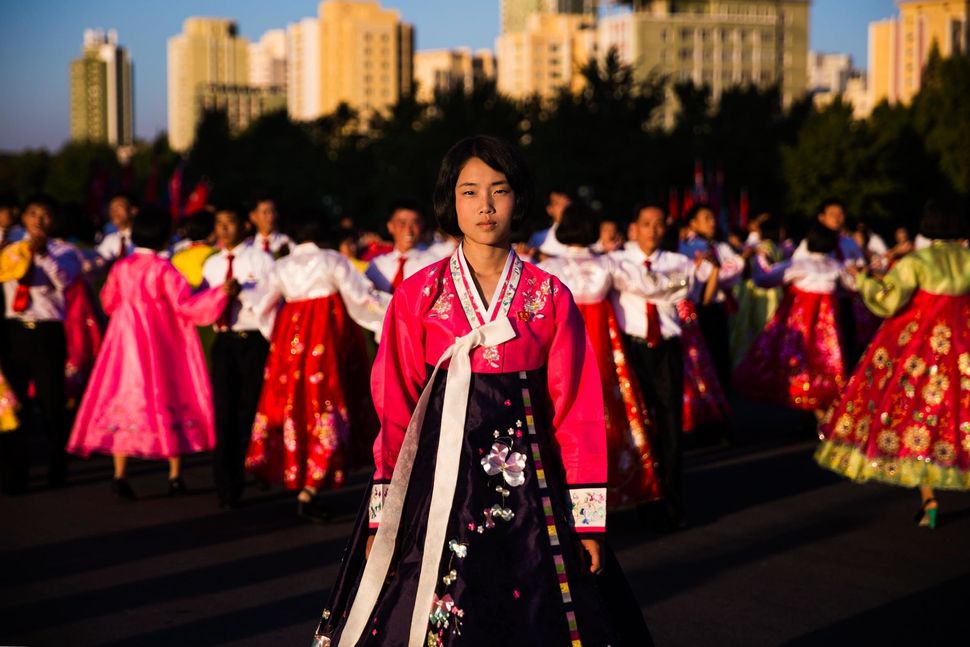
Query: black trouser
(238, 360)
(34, 352)
(660, 372)
(713, 321)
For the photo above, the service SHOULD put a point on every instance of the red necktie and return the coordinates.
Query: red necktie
(399, 277)
(653, 319)
(266, 245)
(223, 323)
(122, 246)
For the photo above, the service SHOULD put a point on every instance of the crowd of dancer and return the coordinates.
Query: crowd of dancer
(221, 333)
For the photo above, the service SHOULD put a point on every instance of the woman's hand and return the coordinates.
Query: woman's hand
(370, 543)
(593, 548)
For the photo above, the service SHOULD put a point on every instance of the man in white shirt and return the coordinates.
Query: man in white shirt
(238, 352)
(405, 224)
(263, 217)
(122, 209)
(713, 313)
(653, 330)
(544, 243)
(34, 348)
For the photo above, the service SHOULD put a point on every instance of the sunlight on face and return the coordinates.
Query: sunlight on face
(484, 201)
(704, 223)
(650, 228)
(405, 227)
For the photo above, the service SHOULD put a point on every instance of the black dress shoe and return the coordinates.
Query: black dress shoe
(122, 489)
(176, 487)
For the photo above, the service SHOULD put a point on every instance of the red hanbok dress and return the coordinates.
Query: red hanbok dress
(631, 478)
(490, 463)
(704, 399)
(798, 359)
(904, 418)
(315, 415)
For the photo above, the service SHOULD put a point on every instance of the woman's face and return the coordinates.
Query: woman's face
(484, 201)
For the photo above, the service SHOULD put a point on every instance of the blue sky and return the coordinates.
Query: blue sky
(42, 36)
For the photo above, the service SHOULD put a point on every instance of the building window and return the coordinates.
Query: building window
(686, 34)
(686, 54)
(663, 35)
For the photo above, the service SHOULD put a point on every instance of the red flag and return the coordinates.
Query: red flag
(151, 184)
(673, 204)
(198, 198)
(743, 209)
(175, 193)
(688, 202)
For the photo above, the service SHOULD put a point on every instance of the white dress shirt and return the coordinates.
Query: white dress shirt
(276, 242)
(110, 245)
(49, 276)
(250, 266)
(310, 272)
(545, 241)
(811, 272)
(673, 278)
(382, 269)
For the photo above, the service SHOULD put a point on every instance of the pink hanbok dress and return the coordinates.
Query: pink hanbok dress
(149, 394)
(490, 463)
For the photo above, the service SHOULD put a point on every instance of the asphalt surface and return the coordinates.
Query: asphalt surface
(777, 551)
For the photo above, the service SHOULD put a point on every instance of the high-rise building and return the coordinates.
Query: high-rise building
(208, 51)
(719, 43)
(443, 70)
(267, 60)
(366, 56)
(242, 104)
(548, 55)
(899, 47)
(101, 91)
(304, 97)
(515, 13)
(832, 76)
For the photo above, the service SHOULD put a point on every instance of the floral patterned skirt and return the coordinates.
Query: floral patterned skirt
(905, 416)
(315, 416)
(704, 399)
(510, 573)
(632, 479)
(83, 328)
(797, 360)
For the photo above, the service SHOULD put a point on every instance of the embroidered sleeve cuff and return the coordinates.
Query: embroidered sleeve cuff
(588, 508)
(377, 494)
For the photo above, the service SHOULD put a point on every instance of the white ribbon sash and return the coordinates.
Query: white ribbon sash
(452, 431)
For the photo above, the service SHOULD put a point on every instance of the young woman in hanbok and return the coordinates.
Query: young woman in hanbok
(315, 415)
(631, 478)
(904, 418)
(798, 359)
(489, 496)
(149, 395)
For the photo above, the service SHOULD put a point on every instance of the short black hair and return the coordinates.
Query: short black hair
(830, 202)
(498, 154)
(199, 225)
(407, 203)
(259, 196)
(944, 218)
(696, 209)
(310, 226)
(578, 226)
(152, 228)
(126, 195)
(8, 200)
(771, 228)
(42, 200)
(821, 239)
(640, 206)
(238, 215)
